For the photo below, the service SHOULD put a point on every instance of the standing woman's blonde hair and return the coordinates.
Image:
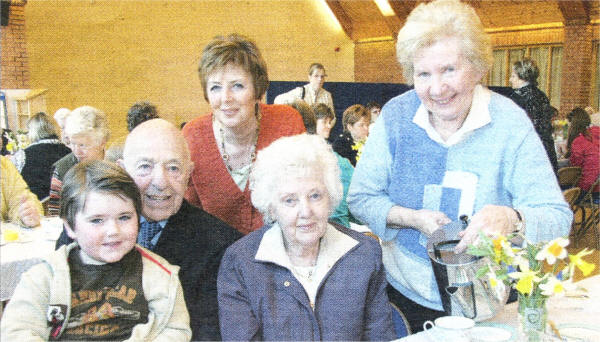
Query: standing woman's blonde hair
(41, 126)
(437, 20)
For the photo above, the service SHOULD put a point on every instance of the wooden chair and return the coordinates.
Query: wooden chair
(568, 176)
(586, 217)
(571, 196)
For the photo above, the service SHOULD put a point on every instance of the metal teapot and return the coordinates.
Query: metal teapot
(462, 293)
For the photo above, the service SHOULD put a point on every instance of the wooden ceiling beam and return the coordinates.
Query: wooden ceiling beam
(402, 8)
(575, 12)
(342, 17)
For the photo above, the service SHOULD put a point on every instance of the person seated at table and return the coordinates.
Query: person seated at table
(448, 148)
(374, 108)
(583, 149)
(19, 205)
(102, 286)
(87, 130)
(224, 144)
(269, 279)
(311, 93)
(60, 116)
(341, 214)
(36, 160)
(325, 119)
(183, 234)
(355, 121)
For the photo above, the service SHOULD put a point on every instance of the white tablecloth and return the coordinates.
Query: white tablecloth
(31, 248)
(577, 318)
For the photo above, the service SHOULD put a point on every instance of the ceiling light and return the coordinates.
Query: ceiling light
(385, 8)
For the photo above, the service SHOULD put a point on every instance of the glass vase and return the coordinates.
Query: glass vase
(532, 317)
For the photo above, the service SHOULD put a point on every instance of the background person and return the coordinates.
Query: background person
(19, 205)
(535, 103)
(374, 109)
(36, 160)
(224, 144)
(355, 121)
(450, 147)
(341, 215)
(88, 133)
(311, 93)
(61, 116)
(583, 149)
(269, 279)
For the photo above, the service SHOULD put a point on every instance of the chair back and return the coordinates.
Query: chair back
(572, 195)
(568, 177)
(401, 326)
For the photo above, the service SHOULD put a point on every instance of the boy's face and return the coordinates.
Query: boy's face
(106, 228)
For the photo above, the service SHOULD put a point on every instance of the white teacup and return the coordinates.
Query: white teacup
(449, 328)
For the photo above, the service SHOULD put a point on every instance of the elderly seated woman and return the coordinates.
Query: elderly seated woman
(293, 278)
(87, 130)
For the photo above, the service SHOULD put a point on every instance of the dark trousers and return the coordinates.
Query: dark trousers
(415, 314)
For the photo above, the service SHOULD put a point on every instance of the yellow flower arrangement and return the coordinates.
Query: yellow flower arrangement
(16, 141)
(534, 270)
(358, 147)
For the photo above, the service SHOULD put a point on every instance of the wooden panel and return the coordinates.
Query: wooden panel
(517, 12)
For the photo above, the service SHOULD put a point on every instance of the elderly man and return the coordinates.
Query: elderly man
(181, 233)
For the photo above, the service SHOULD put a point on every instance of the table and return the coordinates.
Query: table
(31, 248)
(569, 314)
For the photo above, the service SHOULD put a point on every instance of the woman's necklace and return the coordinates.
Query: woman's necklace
(252, 151)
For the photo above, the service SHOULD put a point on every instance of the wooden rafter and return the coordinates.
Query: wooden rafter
(575, 11)
(341, 16)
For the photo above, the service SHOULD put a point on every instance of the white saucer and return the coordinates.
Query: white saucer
(487, 332)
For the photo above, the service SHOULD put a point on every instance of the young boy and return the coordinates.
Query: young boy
(102, 286)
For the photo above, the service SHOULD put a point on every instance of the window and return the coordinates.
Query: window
(548, 59)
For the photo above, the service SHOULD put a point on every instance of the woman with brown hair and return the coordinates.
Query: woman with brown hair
(583, 148)
(224, 144)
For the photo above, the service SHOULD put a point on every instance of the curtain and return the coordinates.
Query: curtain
(540, 56)
(555, 72)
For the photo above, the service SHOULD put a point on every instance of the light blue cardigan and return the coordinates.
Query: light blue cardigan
(401, 165)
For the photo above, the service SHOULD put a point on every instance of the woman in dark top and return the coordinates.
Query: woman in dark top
(35, 162)
(529, 97)
(355, 121)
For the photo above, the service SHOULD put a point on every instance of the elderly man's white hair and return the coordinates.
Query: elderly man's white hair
(298, 155)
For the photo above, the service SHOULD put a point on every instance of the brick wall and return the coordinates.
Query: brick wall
(14, 67)
(577, 67)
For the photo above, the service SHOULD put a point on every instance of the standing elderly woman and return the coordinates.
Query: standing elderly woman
(35, 162)
(312, 92)
(535, 103)
(450, 147)
(224, 144)
(299, 277)
(87, 130)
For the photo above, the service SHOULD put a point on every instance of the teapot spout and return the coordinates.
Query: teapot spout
(463, 295)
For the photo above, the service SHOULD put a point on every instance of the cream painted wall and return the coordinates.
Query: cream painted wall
(112, 53)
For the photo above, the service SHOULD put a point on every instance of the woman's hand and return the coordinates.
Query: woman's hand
(492, 220)
(426, 221)
(28, 213)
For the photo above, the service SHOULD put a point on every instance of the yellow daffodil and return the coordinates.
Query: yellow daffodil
(585, 267)
(555, 287)
(492, 279)
(553, 250)
(525, 280)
